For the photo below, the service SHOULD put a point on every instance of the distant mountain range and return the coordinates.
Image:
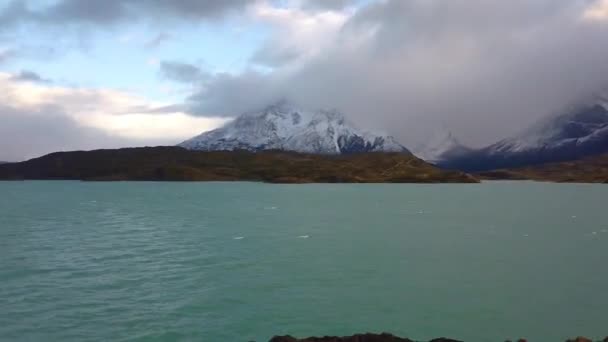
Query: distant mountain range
(581, 132)
(285, 127)
(562, 148)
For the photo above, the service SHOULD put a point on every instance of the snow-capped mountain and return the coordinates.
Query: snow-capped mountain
(285, 127)
(443, 145)
(583, 131)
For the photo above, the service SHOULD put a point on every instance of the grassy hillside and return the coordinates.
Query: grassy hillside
(177, 164)
(587, 170)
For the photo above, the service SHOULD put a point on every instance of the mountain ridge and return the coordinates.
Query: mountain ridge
(574, 135)
(283, 126)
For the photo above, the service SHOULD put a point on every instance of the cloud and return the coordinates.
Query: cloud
(158, 40)
(299, 34)
(29, 76)
(113, 12)
(182, 72)
(597, 11)
(484, 68)
(6, 55)
(25, 134)
(335, 5)
(41, 118)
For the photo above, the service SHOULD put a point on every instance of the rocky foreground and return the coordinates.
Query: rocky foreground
(387, 338)
(179, 164)
(355, 338)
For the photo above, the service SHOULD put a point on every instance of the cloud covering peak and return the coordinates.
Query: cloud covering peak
(484, 68)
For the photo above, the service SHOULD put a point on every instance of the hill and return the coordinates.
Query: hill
(179, 164)
(587, 170)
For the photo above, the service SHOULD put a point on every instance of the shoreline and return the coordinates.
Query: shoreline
(176, 164)
(386, 337)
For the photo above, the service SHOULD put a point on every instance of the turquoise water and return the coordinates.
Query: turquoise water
(245, 261)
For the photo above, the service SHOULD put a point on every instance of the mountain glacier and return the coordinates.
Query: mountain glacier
(285, 127)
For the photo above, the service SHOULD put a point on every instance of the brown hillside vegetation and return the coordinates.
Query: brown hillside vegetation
(588, 170)
(178, 164)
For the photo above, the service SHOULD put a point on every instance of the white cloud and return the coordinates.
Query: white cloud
(597, 10)
(298, 34)
(118, 118)
(172, 127)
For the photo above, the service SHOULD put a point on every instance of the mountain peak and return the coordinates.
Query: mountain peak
(283, 126)
(579, 132)
(443, 144)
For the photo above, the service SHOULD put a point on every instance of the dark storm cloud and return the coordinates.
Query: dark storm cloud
(182, 72)
(110, 12)
(29, 76)
(229, 95)
(484, 68)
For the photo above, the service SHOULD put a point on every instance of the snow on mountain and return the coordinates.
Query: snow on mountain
(285, 127)
(580, 132)
(573, 128)
(442, 145)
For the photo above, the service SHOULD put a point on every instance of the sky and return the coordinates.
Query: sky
(93, 74)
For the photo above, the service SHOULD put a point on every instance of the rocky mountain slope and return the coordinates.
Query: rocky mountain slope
(285, 127)
(581, 132)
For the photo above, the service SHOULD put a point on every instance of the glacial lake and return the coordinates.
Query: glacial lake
(245, 261)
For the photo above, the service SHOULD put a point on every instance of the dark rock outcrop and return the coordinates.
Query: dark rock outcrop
(384, 337)
(580, 339)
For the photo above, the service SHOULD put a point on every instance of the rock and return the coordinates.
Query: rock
(580, 339)
(283, 339)
(384, 337)
(443, 339)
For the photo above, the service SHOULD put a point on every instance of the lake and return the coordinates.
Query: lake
(245, 261)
